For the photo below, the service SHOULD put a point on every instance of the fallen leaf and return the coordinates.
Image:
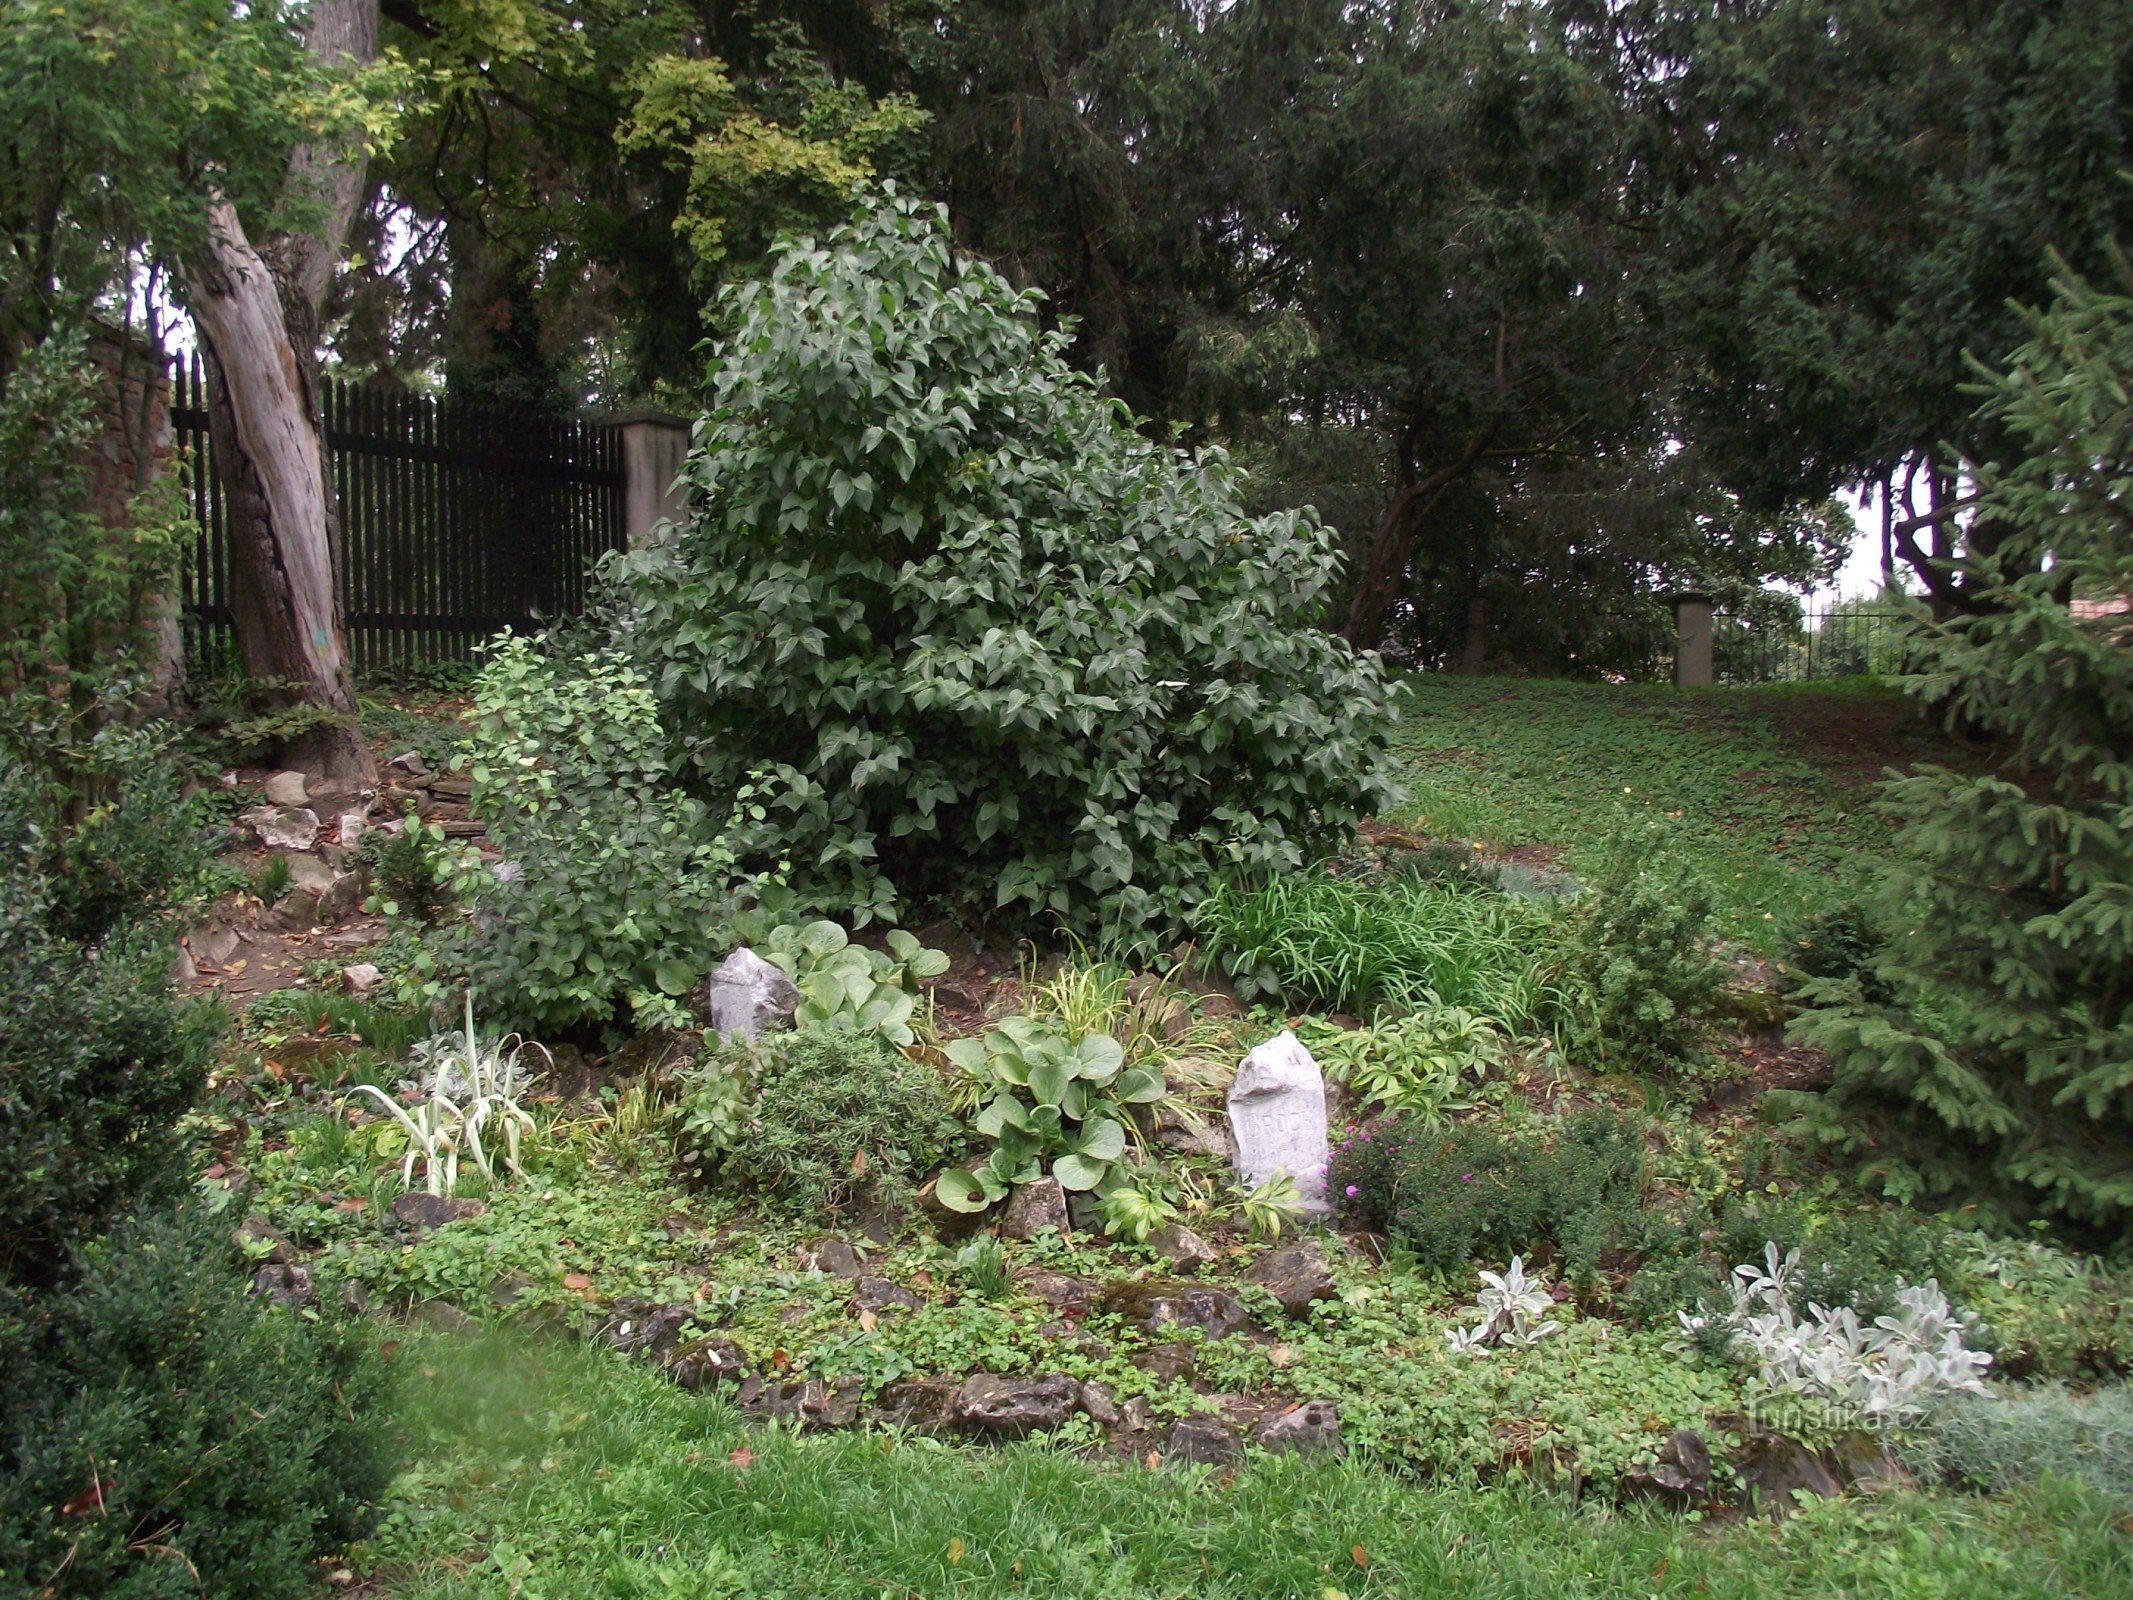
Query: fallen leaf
(741, 1457)
(1359, 1556)
(217, 1170)
(1280, 1356)
(90, 1499)
(352, 1204)
(955, 1552)
(576, 1280)
(866, 1322)
(859, 1163)
(1155, 1459)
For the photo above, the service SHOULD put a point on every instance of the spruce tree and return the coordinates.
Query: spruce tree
(1989, 1046)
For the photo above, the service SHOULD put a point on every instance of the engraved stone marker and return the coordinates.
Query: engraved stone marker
(1277, 1112)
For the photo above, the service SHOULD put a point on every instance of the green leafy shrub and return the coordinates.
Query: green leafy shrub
(617, 881)
(163, 1432)
(411, 870)
(1050, 1102)
(1451, 1195)
(1428, 1065)
(1641, 950)
(994, 646)
(97, 1062)
(1989, 1048)
(844, 985)
(1346, 946)
(822, 1119)
(2046, 1312)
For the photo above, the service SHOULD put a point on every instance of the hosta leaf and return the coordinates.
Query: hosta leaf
(1079, 1172)
(1140, 1086)
(1101, 1138)
(961, 1191)
(1048, 1082)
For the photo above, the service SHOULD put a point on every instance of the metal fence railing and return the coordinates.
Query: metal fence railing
(1846, 640)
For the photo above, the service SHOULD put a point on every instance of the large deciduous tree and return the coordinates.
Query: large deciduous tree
(257, 307)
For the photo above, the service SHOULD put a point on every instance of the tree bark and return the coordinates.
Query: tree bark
(257, 309)
(1381, 580)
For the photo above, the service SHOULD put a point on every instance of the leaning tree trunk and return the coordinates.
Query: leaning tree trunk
(257, 309)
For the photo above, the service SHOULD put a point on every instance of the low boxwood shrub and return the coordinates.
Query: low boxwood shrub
(97, 1061)
(163, 1432)
(1452, 1195)
(822, 1119)
(992, 645)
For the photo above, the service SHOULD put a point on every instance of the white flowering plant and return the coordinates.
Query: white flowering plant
(1514, 1310)
(1889, 1372)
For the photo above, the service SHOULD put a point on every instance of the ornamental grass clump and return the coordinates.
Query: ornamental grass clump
(990, 646)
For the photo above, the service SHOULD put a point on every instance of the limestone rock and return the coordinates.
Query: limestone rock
(420, 1209)
(833, 1258)
(811, 1404)
(361, 978)
(1208, 1441)
(926, 1405)
(1160, 1307)
(1034, 1207)
(287, 789)
(1181, 1247)
(748, 997)
(408, 764)
(1776, 1470)
(1681, 1470)
(1073, 1296)
(636, 1326)
(1010, 1408)
(1101, 1405)
(283, 827)
(707, 1363)
(1309, 1425)
(879, 1295)
(286, 1284)
(1296, 1275)
(1277, 1115)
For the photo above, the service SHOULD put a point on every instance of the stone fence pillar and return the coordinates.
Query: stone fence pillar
(1692, 641)
(655, 444)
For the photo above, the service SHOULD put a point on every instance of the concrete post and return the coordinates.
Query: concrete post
(655, 444)
(1692, 641)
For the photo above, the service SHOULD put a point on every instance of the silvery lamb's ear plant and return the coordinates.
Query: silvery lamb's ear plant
(1514, 1310)
(1048, 1099)
(462, 1088)
(844, 985)
(1888, 1373)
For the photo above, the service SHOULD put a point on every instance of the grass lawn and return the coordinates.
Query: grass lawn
(1765, 789)
(542, 1470)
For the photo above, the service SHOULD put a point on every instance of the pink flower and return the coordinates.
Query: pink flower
(1351, 1190)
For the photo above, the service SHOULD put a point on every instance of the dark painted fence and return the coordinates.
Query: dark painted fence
(1841, 642)
(456, 520)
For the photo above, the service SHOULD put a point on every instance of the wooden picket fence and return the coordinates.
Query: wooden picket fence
(456, 520)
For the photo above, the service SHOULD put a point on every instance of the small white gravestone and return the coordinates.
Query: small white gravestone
(1277, 1113)
(748, 997)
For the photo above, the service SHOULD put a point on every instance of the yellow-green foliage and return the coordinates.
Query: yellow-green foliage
(747, 171)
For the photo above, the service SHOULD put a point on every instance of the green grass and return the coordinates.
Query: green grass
(1346, 946)
(1765, 790)
(544, 1471)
